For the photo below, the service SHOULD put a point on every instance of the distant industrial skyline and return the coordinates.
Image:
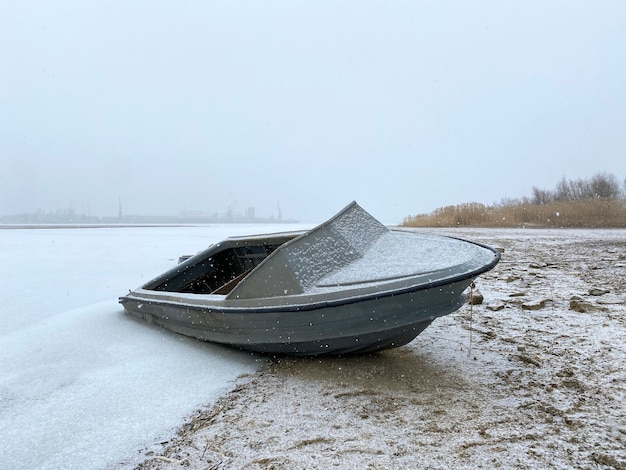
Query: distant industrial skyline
(70, 215)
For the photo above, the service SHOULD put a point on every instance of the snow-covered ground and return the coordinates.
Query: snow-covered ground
(534, 377)
(82, 385)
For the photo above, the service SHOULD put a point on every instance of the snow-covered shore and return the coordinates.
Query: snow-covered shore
(534, 377)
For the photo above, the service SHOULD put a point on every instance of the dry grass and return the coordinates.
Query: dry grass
(591, 213)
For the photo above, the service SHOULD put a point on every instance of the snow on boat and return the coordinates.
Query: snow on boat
(349, 285)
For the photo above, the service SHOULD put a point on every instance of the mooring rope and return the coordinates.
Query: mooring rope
(472, 285)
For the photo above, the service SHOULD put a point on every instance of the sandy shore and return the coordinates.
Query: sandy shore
(534, 377)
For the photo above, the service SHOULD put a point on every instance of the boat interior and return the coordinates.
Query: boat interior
(218, 273)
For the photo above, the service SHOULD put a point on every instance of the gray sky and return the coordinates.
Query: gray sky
(402, 106)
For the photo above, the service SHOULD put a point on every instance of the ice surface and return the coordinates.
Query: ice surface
(82, 385)
(87, 388)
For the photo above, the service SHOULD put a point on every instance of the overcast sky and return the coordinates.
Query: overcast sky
(403, 106)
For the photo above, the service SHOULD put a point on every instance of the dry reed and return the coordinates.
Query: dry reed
(590, 213)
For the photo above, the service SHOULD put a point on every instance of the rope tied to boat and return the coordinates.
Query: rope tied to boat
(471, 286)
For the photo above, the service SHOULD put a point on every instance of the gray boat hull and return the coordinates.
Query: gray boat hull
(357, 326)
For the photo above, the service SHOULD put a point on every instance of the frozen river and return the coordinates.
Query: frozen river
(82, 385)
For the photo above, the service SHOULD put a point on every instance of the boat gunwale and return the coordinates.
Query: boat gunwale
(309, 306)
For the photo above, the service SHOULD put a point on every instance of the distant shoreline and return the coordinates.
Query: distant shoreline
(68, 226)
(125, 225)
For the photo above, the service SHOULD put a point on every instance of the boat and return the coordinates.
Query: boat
(349, 285)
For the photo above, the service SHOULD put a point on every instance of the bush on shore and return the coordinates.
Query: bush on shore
(595, 203)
